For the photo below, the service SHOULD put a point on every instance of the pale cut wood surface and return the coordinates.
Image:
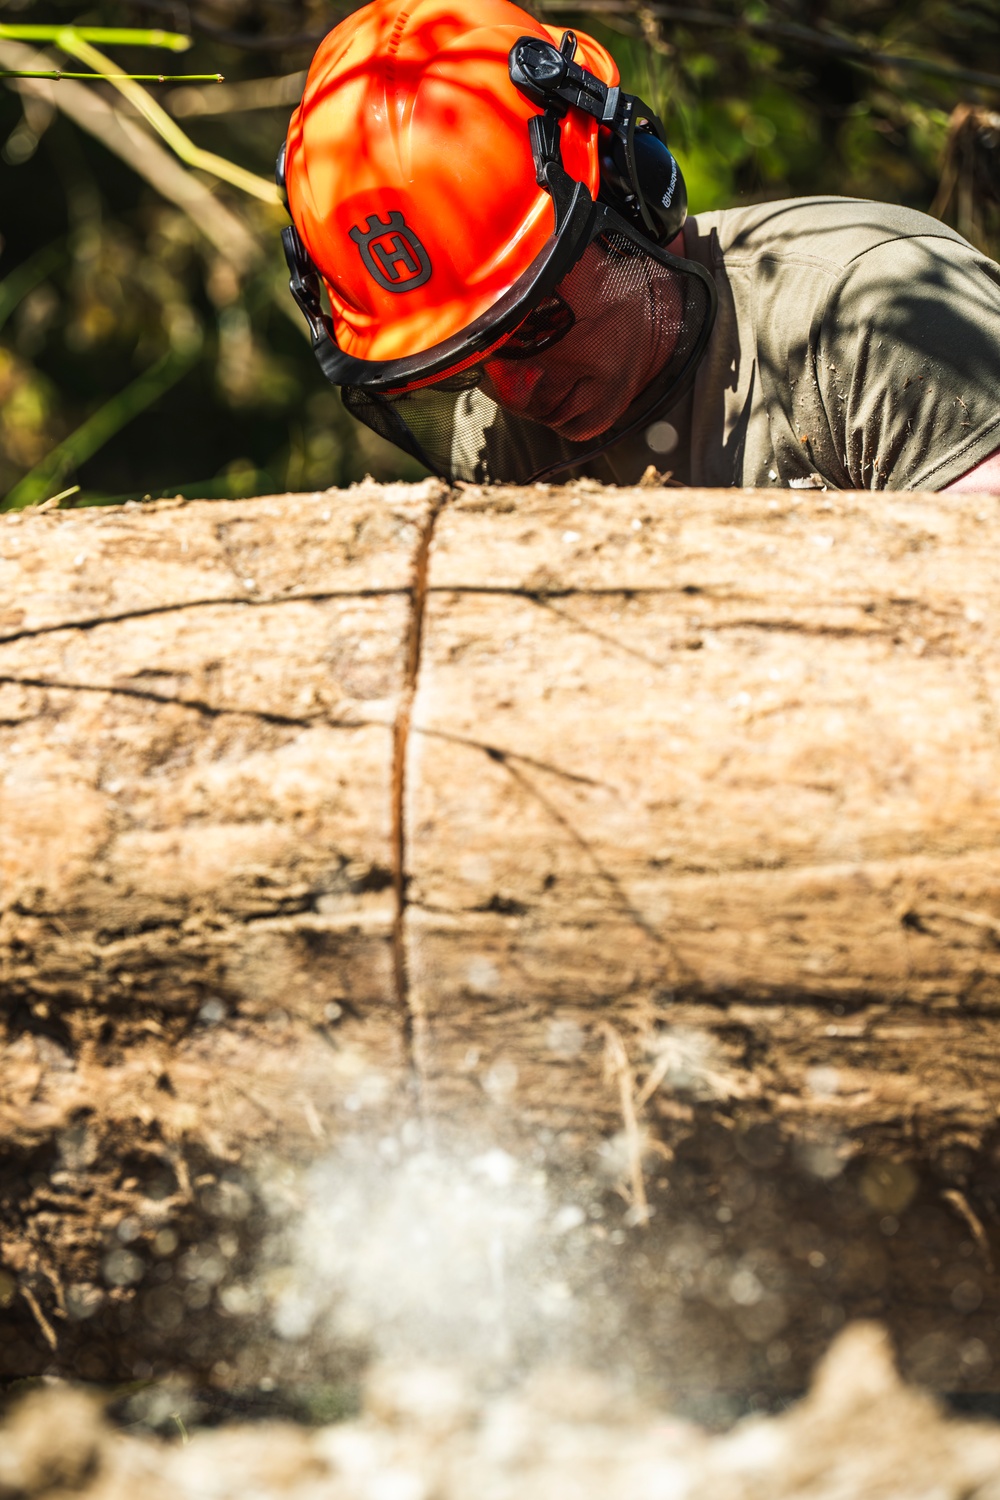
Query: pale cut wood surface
(196, 743)
(719, 769)
(722, 768)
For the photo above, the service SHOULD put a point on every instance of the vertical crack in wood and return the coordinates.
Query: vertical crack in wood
(400, 748)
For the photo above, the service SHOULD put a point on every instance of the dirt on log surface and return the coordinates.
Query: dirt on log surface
(571, 812)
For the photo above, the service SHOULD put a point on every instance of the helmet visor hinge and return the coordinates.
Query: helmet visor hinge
(550, 174)
(304, 285)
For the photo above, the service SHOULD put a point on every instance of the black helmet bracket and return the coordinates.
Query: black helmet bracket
(639, 175)
(304, 283)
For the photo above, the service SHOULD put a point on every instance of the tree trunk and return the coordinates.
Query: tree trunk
(566, 807)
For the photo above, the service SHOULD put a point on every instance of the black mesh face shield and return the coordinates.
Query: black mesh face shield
(597, 338)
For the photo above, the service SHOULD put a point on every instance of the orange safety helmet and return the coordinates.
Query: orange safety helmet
(409, 154)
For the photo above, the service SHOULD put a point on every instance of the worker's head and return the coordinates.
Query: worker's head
(487, 213)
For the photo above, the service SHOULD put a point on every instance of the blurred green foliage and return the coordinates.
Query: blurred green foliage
(138, 357)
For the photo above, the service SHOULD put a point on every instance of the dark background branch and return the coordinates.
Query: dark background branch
(783, 31)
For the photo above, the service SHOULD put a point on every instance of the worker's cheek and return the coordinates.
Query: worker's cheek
(579, 388)
(618, 345)
(513, 383)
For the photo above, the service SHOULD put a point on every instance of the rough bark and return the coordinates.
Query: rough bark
(725, 761)
(197, 708)
(720, 762)
(567, 808)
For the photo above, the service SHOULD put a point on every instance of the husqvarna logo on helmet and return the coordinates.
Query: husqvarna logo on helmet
(391, 252)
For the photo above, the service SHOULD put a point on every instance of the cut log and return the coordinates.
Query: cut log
(556, 808)
(720, 762)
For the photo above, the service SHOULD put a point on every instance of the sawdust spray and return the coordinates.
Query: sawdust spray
(472, 1257)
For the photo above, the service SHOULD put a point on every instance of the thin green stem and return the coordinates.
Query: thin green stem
(55, 500)
(101, 426)
(70, 40)
(108, 36)
(57, 73)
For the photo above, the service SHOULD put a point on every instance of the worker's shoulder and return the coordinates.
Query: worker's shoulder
(826, 233)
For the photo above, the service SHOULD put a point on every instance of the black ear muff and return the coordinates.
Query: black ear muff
(640, 176)
(659, 187)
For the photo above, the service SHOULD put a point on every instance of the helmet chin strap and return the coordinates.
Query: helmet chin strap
(644, 176)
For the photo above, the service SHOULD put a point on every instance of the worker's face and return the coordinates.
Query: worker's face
(626, 327)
